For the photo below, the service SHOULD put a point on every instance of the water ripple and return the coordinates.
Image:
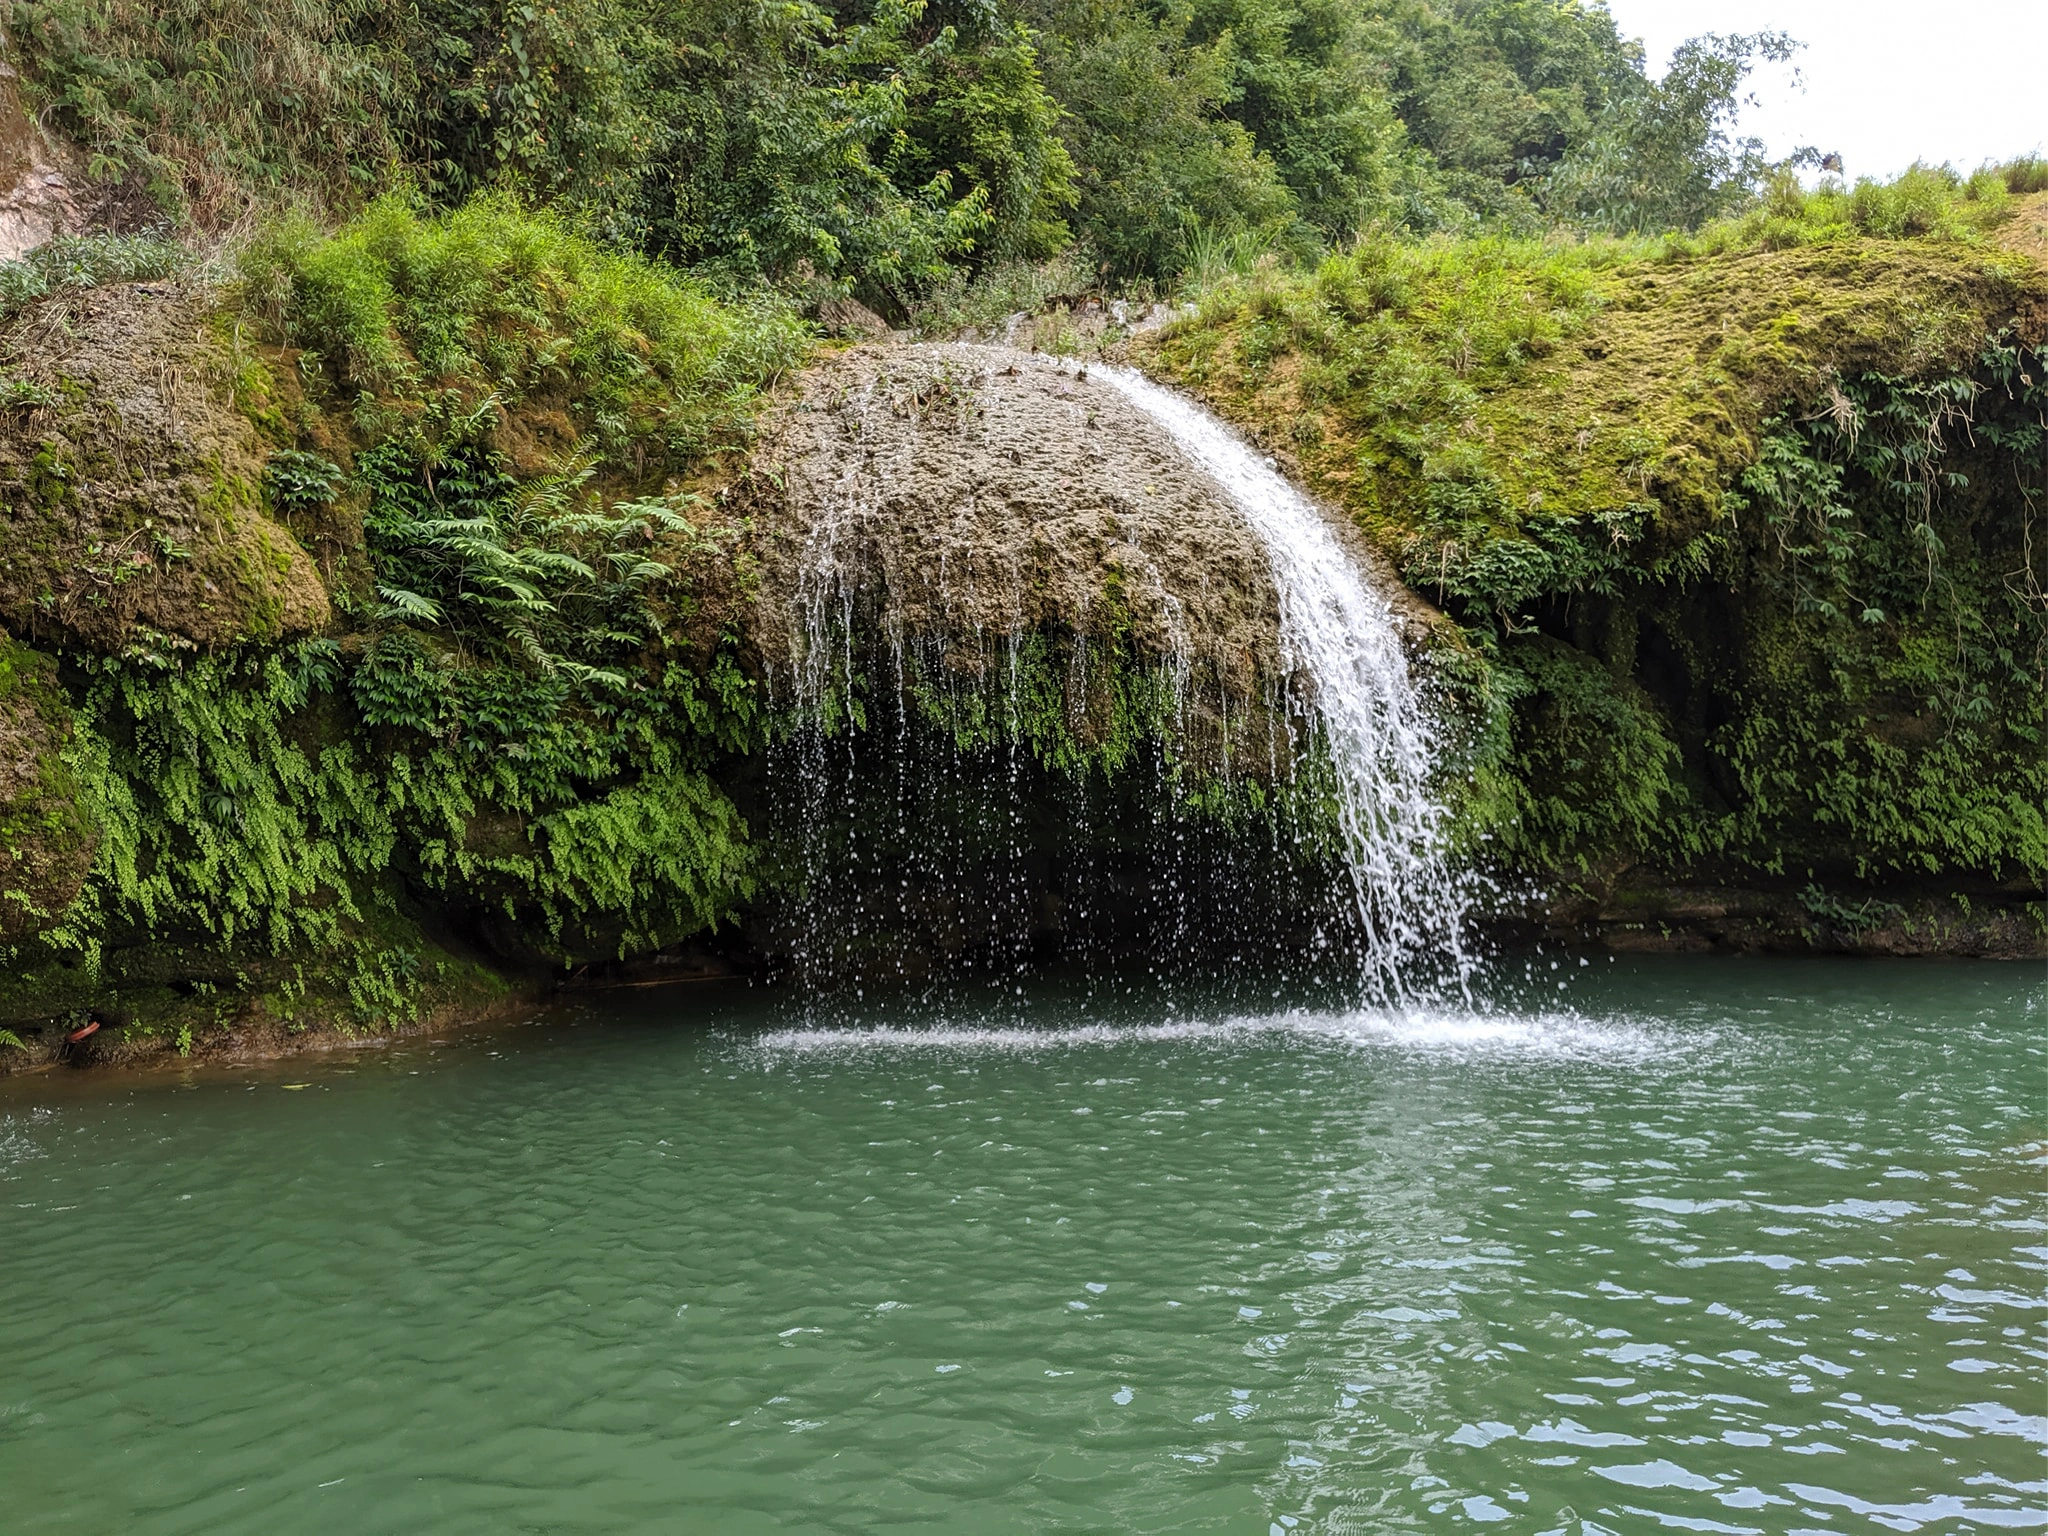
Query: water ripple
(1649, 1260)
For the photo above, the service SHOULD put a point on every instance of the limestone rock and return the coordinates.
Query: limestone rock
(851, 318)
(977, 492)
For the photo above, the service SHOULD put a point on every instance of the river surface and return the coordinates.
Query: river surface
(1694, 1246)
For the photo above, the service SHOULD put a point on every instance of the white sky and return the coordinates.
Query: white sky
(1886, 81)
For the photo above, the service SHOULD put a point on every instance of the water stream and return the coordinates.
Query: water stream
(1383, 746)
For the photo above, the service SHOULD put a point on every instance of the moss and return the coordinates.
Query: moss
(1743, 534)
(132, 502)
(529, 754)
(410, 324)
(1452, 395)
(158, 996)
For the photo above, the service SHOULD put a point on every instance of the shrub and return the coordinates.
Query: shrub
(84, 261)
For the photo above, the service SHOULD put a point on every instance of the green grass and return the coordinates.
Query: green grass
(508, 312)
(72, 262)
(1925, 202)
(1459, 390)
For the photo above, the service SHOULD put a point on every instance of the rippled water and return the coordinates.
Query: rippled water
(1710, 1246)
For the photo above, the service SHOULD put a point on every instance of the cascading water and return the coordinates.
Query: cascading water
(1381, 741)
(945, 493)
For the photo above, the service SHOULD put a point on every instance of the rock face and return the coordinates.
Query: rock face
(131, 501)
(973, 491)
(35, 197)
(952, 497)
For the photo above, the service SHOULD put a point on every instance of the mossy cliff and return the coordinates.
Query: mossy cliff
(1745, 530)
(368, 573)
(402, 617)
(134, 509)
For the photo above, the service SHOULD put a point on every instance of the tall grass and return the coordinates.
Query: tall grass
(202, 104)
(2027, 174)
(985, 303)
(1923, 202)
(513, 307)
(84, 261)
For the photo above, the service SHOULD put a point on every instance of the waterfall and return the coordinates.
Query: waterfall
(958, 506)
(1340, 634)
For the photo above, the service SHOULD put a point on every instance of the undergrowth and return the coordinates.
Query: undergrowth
(199, 106)
(72, 262)
(521, 720)
(414, 325)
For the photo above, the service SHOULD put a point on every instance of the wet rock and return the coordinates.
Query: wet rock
(1638, 911)
(971, 491)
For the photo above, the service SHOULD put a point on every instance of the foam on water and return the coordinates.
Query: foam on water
(1341, 635)
(1561, 1034)
(15, 1143)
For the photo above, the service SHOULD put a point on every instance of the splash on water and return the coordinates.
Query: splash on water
(1558, 1035)
(16, 1144)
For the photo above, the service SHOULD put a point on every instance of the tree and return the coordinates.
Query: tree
(1662, 157)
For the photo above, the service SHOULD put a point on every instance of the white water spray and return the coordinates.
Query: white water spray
(1382, 744)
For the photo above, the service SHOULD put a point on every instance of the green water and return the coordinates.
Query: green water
(1714, 1246)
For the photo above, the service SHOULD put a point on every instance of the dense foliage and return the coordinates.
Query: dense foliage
(888, 144)
(489, 426)
(1740, 523)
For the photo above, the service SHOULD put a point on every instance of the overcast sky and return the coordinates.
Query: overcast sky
(1886, 82)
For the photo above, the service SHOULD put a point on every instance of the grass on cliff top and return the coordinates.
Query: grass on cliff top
(1457, 396)
(404, 319)
(72, 262)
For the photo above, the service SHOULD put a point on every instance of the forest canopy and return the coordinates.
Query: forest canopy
(887, 147)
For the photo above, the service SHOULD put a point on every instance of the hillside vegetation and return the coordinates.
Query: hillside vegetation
(1743, 523)
(888, 146)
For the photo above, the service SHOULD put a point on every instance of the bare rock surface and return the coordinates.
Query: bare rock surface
(976, 490)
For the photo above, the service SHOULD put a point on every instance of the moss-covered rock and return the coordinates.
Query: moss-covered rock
(132, 506)
(1452, 396)
(1742, 527)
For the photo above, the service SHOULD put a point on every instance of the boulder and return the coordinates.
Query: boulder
(132, 508)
